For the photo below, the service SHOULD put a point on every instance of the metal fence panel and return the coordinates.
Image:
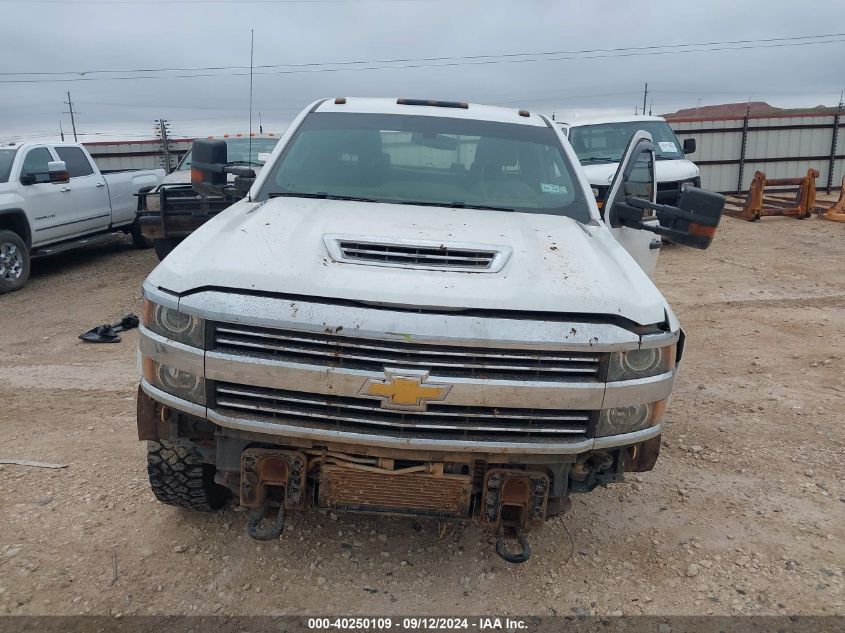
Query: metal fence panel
(780, 146)
(119, 155)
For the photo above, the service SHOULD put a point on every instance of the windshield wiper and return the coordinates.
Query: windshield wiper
(464, 205)
(598, 159)
(319, 196)
(448, 205)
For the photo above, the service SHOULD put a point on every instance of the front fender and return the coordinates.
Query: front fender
(14, 217)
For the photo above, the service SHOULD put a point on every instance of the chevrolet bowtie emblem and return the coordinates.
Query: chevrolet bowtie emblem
(405, 390)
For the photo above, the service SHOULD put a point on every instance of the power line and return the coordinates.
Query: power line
(496, 58)
(169, 2)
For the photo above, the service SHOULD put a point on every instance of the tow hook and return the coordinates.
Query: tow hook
(271, 531)
(513, 501)
(505, 553)
(272, 481)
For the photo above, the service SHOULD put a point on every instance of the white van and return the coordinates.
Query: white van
(600, 143)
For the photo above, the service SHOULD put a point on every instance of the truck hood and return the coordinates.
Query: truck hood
(555, 263)
(600, 174)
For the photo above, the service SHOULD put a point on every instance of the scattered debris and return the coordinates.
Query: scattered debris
(113, 567)
(27, 462)
(109, 333)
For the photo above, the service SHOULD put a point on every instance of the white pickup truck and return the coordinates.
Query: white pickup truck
(54, 198)
(416, 310)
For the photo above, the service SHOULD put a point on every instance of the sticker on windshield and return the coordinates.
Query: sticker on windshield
(550, 188)
(668, 147)
(265, 156)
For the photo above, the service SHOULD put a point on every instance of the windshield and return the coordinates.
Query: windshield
(434, 161)
(7, 156)
(237, 150)
(606, 142)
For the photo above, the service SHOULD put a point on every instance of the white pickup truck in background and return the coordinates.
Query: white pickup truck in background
(54, 198)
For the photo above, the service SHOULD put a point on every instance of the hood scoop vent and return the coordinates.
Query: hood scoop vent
(453, 256)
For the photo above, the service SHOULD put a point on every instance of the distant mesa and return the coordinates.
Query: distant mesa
(738, 110)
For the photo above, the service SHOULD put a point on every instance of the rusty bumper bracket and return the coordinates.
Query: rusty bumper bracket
(270, 479)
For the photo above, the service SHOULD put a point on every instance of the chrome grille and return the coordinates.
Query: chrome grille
(360, 414)
(339, 351)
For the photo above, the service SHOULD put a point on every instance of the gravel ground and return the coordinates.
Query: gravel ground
(743, 513)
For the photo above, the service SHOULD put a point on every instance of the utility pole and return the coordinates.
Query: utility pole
(251, 55)
(61, 131)
(831, 166)
(645, 95)
(162, 127)
(650, 104)
(260, 127)
(69, 104)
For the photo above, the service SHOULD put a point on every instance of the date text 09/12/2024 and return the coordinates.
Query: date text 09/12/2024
(417, 623)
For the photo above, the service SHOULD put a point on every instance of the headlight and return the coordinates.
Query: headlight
(176, 382)
(640, 363)
(152, 201)
(596, 192)
(175, 325)
(628, 419)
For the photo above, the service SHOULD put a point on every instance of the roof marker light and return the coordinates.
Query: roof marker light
(436, 104)
(524, 113)
(340, 101)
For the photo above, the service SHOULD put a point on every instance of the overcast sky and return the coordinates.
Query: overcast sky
(61, 36)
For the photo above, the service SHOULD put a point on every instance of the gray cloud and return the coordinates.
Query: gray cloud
(53, 37)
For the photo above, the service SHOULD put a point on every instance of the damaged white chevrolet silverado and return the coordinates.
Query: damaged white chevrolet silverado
(418, 309)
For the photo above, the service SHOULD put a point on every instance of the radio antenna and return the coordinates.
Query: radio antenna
(251, 53)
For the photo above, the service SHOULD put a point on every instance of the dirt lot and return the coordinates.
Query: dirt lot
(743, 514)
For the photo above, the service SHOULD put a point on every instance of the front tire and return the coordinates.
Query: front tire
(179, 478)
(138, 238)
(14, 262)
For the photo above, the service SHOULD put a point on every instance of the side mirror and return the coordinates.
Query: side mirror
(57, 170)
(56, 173)
(689, 146)
(207, 165)
(695, 220)
(209, 171)
(692, 223)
